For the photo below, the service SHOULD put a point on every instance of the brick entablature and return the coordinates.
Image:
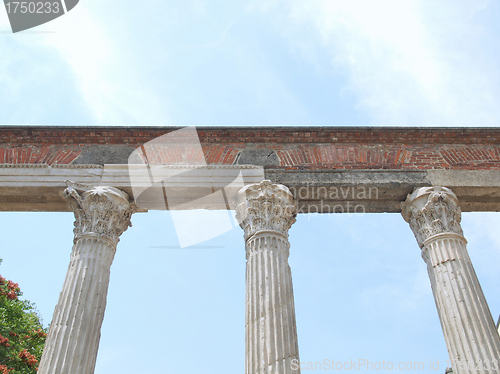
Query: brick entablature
(294, 147)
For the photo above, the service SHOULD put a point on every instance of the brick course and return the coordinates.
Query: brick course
(296, 148)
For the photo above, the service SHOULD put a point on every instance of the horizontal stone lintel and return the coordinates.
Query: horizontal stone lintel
(40, 187)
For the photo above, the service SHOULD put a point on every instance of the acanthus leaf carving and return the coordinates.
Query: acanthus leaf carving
(102, 212)
(266, 206)
(431, 211)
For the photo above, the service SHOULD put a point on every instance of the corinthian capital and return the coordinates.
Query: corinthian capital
(431, 211)
(265, 207)
(100, 212)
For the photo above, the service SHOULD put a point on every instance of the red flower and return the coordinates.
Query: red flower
(40, 333)
(5, 370)
(27, 357)
(13, 286)
(4, 341)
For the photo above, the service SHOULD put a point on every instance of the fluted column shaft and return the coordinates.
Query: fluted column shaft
(471, 337)
(101, 216)
(266, 212)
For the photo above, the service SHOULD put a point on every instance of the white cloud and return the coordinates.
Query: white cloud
(409, 63)
(106, 75)
(110, 84)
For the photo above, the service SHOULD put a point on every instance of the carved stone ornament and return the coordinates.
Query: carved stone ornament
(265, 206)
(431, 211)
(101, 212)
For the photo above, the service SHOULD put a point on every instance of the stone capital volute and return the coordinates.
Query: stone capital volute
(265, 207)
(101, 212)
(432, 212)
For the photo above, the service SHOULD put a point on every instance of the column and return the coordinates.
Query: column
(469, 331)
(102, 214)
(266, 212)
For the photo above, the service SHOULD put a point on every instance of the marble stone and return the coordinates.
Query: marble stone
(471, 337)
(266, 212)
(102, 214)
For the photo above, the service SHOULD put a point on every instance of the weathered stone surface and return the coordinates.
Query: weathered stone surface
(471, 337)
(101, 216)
(258, 156)
(266, 212)
(103, 154)
(40, 187)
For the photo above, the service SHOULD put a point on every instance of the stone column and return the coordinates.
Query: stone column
(471, 337)
(102, 214)
(266, 212)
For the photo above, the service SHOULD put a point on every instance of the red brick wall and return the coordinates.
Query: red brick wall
(391, 156)
(296, 148)
(32, 154)
(240, 135)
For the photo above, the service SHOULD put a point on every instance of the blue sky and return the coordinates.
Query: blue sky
(361, 288)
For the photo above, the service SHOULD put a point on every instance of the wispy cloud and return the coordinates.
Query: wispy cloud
(404, 63)
(76, 55)
(407, 62)
(110, 84)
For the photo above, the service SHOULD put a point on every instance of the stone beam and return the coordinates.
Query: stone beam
(379, 191)
(40, 187)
